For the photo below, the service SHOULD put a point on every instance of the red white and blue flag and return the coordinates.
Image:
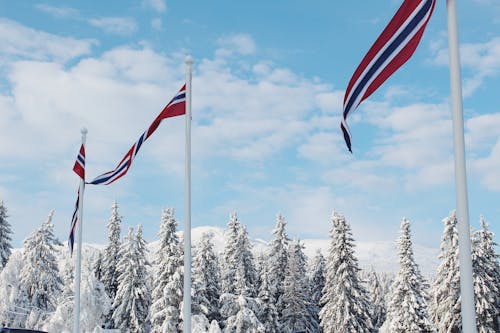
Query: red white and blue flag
(391, 50)
(176, 107)
(79, 169)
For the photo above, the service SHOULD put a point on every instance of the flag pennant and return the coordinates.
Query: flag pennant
(391, 50)
(79, 167)
(176, 107)
(74, 221)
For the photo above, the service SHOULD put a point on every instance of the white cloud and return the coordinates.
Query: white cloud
(115, 25)
(239, 43)
(19, 41)
(157, 5)
(60, 12)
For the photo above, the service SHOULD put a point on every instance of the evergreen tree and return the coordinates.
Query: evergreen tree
(407, 310)
(40, 283)
(9, 289)
(377, 298)
(297, 314)
(168, 275)
(446, 306)
(486, 273)
(318, 281)
(231, 254)
(112, 255)
(206, 279)
(5, 236)
(98, 266)
(247, 259)
(131, 304)
(346, 307)
(267, 313)
(278, 254)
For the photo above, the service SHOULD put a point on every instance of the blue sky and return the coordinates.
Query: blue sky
(268, 83)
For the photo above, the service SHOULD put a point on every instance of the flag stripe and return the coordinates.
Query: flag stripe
(391, 50)
(176, 107)
(79, 167)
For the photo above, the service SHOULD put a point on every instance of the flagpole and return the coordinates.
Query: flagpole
(465, 259)
(187, 206)
(78, 273)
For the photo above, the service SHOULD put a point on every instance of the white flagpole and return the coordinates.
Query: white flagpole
(78, 273)
(465, 259)
(187, 214)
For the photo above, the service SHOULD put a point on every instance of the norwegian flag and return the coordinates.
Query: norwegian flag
(391, 50)
(74, 221)
(79, 167)
(176, 107)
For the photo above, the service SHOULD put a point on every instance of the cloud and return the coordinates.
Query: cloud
(156, 24)
(158, 5)
(240, 43)
(115, 25)
(19, 41)
(59, 12)
(480, 61)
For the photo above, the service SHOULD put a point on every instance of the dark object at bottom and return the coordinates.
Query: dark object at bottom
(19, 330)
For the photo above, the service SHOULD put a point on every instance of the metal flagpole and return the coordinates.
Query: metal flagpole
(187, 206)
(465, 259)
(78, 273)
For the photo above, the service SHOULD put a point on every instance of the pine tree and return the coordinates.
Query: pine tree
(278, 254)
(230, 255)
(318, 280)
(5, 236)
(486, 273)
(112, 255)
(40, 283)
(9, 289)
(206, 279)
(131, 304)
(346, 307)
(247, 260)
(445, 305)
(407, 310)
(377, 299)
(267, 313)
(168, 279)
(297, 315)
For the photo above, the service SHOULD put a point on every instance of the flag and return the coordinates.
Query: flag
(391, 50)
(74, 220)
(176, 107)
(79, 167)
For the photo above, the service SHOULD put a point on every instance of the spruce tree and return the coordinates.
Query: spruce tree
(9, 289)
(445, 306)
(168, 274)
(5, 236)
(317, 284)
(377, 299)
(206, 279)
(407, 311)
(297, 314)
(267, 313)
(131, 304)
(278, 255)
(112, 253)
(231, 254)
(250, 273)
(345, 301)
(40, 283)
(486, 273)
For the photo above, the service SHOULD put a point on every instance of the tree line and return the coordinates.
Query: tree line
(124, 286)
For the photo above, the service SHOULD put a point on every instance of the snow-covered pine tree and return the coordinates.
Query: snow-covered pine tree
(5, 236)
(248, 261)
(278, 253)
(40, 283)
(230, 255)
(9, 288)
(206, 279)
(407, 310)
(318, 280)
(98, 266)
(377, 299)
(165, 309)
(239, 307)
(267, 313)
(297, 315)
(445, 304)
(112, 256)
(486, 272)
(132, 300)
(345, 301)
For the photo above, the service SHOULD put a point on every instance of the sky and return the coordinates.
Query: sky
(268, 83)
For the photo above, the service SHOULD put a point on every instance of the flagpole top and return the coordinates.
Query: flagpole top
(84, 131)
(189, 60)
